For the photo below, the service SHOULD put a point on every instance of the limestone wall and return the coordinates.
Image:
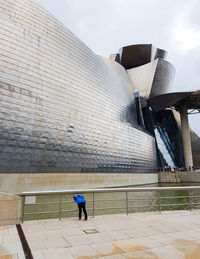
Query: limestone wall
(18, 183)
(10, 209)
(190, 176)
(168, 177)
(177, 177)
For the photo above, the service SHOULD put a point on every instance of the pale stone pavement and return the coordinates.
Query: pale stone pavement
(152, 235)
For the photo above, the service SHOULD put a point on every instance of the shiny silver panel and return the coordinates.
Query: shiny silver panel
(163, 79)
(62, 108)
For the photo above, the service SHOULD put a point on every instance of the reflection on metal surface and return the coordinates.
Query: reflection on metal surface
(169, 141)
(166, 152)
(63, 109)
(163, 79)
(190, 101)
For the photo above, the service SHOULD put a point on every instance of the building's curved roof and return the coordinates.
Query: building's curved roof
(140, 54)
(160, 102)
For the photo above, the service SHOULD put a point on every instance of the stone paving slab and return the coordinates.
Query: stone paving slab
(10, 245)
(150, 235)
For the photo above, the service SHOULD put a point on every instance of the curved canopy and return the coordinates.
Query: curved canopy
(176, 99)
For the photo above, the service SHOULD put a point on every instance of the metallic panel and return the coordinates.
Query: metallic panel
(163, 79)
(152, 79)
(63, 109)
(142, 78)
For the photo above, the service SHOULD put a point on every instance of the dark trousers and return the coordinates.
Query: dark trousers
(81, 206)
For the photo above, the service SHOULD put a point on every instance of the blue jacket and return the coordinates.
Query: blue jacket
(79, 199)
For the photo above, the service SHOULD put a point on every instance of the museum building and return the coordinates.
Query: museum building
(65, 109)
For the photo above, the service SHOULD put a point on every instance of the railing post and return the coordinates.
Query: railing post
(23, 203)
(189, 200)
(127, 203)
(60, 206)
(93, 204)
(159, 201)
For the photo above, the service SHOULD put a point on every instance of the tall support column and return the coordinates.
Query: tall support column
(186, 138)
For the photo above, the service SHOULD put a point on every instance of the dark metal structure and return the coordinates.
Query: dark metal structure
(185, 103)
(138, 55)
(176, 99)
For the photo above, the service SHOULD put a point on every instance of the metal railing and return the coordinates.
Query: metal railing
(130, 203)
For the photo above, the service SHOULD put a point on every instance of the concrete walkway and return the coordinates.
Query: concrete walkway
(170, 235)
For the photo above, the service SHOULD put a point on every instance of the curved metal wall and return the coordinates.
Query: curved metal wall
(142, 78)
(153, 78)
(62, 108)
(163, 79)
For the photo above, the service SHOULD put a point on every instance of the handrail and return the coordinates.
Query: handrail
(140, 189)
(157, 199)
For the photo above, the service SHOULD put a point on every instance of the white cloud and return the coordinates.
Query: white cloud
(186, 37)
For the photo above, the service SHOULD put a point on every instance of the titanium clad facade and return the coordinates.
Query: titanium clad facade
(63, 109)
(144, 62)
(143, 84)
(153, 78)
(163, 79)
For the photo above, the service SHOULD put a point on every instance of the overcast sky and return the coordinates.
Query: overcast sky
(107, 25)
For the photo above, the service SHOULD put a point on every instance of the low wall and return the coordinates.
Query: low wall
(17, 183)
(189, 176)
(10, 209)
(177, 177)
(168, 177)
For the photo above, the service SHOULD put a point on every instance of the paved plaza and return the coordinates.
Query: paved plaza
(151, 235)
